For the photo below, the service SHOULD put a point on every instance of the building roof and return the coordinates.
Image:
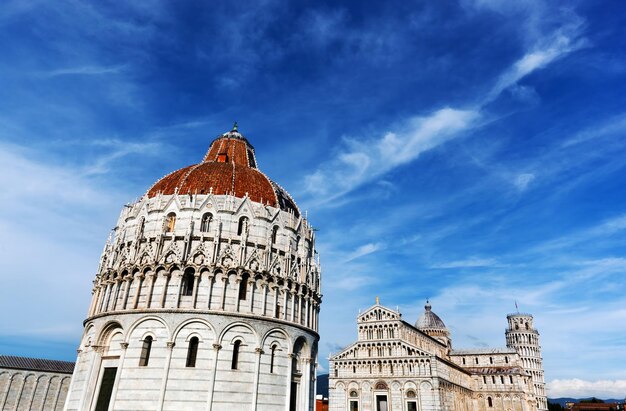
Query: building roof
(429, 320)
(36, 364)
(229, 167)
(484, 351)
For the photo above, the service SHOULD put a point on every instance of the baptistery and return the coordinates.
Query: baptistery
(206, 297)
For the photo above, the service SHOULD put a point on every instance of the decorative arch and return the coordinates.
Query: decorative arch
(277, 330)
(110, 328)
(220, 339)
(182, 325)
(132, 328)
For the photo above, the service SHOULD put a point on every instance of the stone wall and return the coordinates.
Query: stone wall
(32, 390)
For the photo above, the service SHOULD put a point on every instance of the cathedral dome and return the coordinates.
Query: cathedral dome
(229, 167)
(429, 320)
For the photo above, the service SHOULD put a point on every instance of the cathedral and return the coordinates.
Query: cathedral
(395, 366)
(206, 297)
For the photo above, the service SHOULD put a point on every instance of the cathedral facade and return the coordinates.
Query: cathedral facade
(395, 366)
(207, 296)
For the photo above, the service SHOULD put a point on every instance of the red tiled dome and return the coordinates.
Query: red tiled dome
(229, 167)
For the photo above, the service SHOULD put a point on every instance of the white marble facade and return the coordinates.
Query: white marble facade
(395, 366)
(203, 302)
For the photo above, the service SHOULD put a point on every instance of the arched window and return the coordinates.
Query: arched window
(489, 402)
(272, 358)
(527, 326)
(274, 234)
(235, 360)
(243, 287)
(170, 222)
(188, 281)
(145, 351)
(192, 352)
(243, 226)
(205, 223)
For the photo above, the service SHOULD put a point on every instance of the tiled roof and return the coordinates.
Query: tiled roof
(36, 364)
(229, 167)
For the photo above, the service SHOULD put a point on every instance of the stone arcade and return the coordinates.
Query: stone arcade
(206, 298)
(394, 366)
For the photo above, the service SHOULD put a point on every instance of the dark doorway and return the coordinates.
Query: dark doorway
(293, 401)
(106, 388)
(411, 406)
(381, 403)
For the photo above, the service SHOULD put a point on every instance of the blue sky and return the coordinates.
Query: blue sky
(472, 152)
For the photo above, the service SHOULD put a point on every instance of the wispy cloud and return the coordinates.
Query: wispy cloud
(366, 160)
(85, 71)
(470, 263)
(361, 160)
(364, 250)
(119, 149)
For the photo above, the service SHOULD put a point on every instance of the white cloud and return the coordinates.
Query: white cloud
(469, 263)
(366, 160)
(363, 251)
(523, 180)
(577, 388)
(85, 71)
(557, 45)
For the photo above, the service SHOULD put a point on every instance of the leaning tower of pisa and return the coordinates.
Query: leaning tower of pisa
(522, 336)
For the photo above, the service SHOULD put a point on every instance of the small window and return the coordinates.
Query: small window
(243, 226)
(489, 402)
(243, 288)
(188, 281)
(463, 360)
(274, 234)
(476, 360)
(145, 352)
(501, 379)
(354, 405)
(410, 394)
(222, 158)
(506, 360)
(484, 380)
(192, 352)
(272, 358)
(490, 360)
(251, 161)
(511, 379)
(170, 222)
(205, 223)
(235, 360)
(527, 326)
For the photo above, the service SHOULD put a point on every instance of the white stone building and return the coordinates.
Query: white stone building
(395, 366)
(33, 384)
(206, 298)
